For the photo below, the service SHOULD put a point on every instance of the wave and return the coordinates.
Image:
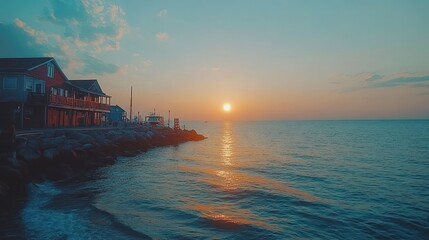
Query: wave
(53, 213)
(107, 219)
(44, 223)
(232, 181)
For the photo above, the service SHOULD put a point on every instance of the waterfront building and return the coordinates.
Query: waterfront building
(35, 92)
(117, 115)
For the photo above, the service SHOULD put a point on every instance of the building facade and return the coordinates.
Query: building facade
(35, 93)
(117, 115)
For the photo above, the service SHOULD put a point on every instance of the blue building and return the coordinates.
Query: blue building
(117, 115)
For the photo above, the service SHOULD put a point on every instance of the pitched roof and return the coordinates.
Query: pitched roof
(22, 64)
(90, 85)
(117, 106)
(85, 84)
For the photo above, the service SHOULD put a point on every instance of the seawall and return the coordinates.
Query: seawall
(64, 153)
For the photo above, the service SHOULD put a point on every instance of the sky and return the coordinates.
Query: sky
(270, 59)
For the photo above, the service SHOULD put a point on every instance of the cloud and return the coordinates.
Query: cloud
(215, 69)
(374, 77)
(398, 79)
(19, 23)
(87, 28)
(115, 11)
(17, 43)
(39, 36)
(93, 65)
(364, 76)
(373, 80)
(146, 63)
(163, 13)
(413, 81)
(162, 36)
(93, 24)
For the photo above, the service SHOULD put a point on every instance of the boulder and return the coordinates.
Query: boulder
(48, 134)
(35, 143)
(69, 145)
(51, 154)
(28, 154)
(53, 142)
(87, 146)
(20, 142)
(58, 133)
(80, 137)
(98, 136)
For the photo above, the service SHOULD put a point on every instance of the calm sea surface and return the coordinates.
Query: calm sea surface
(252, 180)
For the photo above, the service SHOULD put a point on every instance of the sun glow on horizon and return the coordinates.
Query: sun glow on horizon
(226, 107)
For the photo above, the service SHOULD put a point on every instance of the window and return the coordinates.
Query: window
(29, 84)
(39, 88)
(50, 70)
(10, 82)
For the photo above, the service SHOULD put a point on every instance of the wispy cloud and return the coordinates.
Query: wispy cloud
(39, 36)
(162, 36)
(163, 13)
(367, 80)
(215, 69)
(19, 23)
(95, 66)
(146, 63)
(401, 81)
(374, 77)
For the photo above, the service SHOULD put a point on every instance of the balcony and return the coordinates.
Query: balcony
(78, 104)
(34, 98)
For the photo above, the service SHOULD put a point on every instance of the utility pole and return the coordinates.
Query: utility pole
(131, 105)
(168, 118)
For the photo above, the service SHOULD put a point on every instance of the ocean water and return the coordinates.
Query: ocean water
(252, 180)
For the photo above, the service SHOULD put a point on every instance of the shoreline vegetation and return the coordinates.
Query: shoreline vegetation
(59, 154)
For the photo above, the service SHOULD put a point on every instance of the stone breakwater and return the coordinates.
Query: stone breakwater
(62, 154)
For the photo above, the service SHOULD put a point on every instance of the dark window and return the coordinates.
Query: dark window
(10, 82)
(38, 88)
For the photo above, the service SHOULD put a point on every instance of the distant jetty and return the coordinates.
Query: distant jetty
(64, 153)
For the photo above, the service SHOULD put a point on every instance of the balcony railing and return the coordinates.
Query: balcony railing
(77, 103)
(37, 98)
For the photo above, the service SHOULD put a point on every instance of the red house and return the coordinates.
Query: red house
(35, 92)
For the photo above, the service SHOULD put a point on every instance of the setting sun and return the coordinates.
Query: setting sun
(227, 107)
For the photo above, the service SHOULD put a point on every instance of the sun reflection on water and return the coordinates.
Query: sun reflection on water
(227, 141)
(225, 174)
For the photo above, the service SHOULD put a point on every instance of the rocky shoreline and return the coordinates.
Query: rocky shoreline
(62, 154)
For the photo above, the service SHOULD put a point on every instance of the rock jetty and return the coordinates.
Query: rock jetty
(61, 154)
